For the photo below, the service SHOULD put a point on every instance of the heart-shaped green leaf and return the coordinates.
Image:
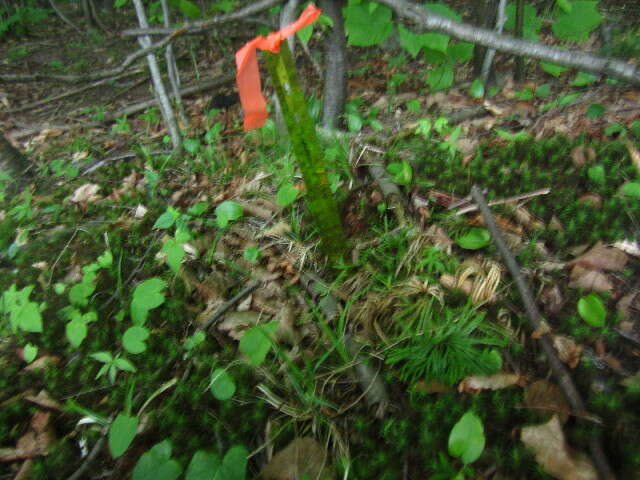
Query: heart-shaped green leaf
(121, 433)
(256, 342)
(30, 352)
(222, 385)
(156, 464)
(203, 466)
(76, 331)
(146, 296)
(466, 440)
(133, 339)
(287, 194)
(228, 211)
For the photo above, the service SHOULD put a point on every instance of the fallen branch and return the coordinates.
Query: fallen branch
(246, 291)
(71, 93)
(130, 110)
(463, 208)
(541, 328)
(203, 25)
(390, 191)
(92, 77)
(488, 38)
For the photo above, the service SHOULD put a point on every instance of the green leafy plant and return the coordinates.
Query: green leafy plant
(208, 466)
(16, 19)
(459, 343)
(222, 385)
(401, 172)
(23, 314)
(474, 239)
(256, 342)
(466, 440)
(592, 310)
(287, 194)
(122, 431)
(112, 364)
(157, 464)
(228, 211)
(146, 296)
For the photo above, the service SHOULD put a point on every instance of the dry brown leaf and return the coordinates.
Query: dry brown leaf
(592, 200)
(578, 156)
(497, 381)
(568, 350)
(589, 280)
(552, 299)
(601, 257)
(42, 362)
(546, 398)
(235, 323)
(86, 193)
(279, 230)
(554, 455)
(44, 400)
(46, 134)
(629, 305)
(303, 456)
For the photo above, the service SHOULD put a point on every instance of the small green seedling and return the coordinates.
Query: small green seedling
(207, 466)
(256, 342)
(228, 211)
(287, 194)
(252, 254)
(475, 239)
(23, 313)
(591, 309)
(122, 431)
(467, 440)
(146, 296)
(157, 464)
(222, 385)
(112, 365)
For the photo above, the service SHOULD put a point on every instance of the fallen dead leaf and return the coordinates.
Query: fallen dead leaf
(303, 457)
(42, 362)
(629, 306)
(601, 257)
(568, 350)
(552, 299)
(546, 398)
(578, 157)
(589, 280)
(279, 230)
(86, 193)
(548, 443)
(44, 400)
(497, 381)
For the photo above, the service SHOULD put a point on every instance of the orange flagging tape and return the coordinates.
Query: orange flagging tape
(248, 75)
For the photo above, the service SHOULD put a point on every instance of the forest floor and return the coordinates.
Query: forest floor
(164, 313)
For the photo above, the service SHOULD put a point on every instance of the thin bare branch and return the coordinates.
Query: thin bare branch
(203, 25)
(488, 38)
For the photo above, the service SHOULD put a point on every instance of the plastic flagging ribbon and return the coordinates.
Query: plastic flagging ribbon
(248, 75)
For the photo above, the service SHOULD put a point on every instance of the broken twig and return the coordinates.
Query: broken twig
(538, 323)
